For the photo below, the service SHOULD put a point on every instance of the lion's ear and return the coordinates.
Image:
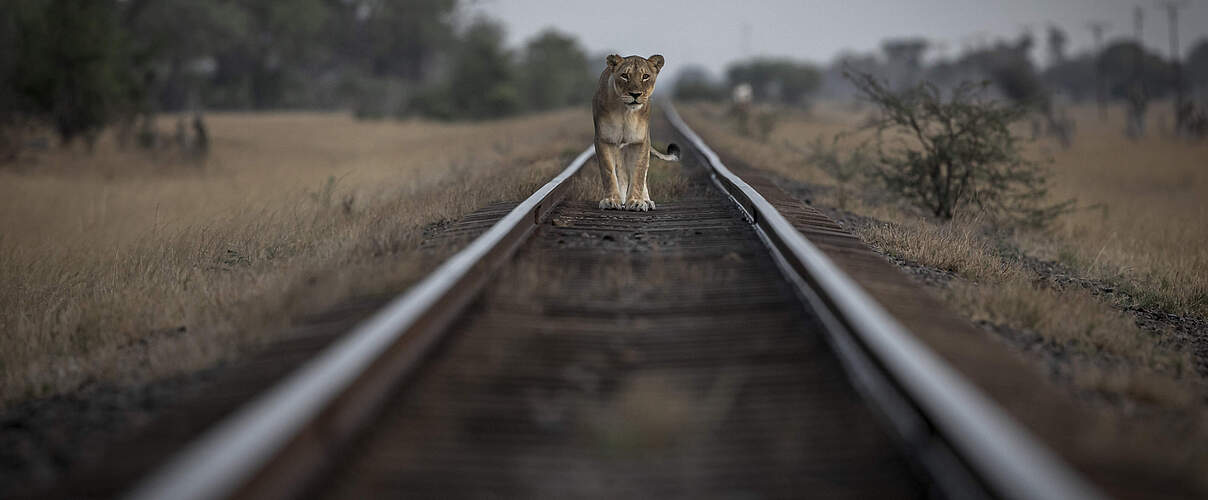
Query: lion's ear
(657, 60)
(614, 60)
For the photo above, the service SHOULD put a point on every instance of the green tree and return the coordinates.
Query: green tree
(1126, 63)
(82, 64)
(408, 36)
(554, 72)
(69, 64)
(1075, 76)
(270, 57)
(1197, 63)
(167, 40)
(956, 154)
(1009, 67)
(482, 81)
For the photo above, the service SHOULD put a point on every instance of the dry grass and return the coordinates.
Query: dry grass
(1143, 202)
(667, 181)
(1005, 293)
(118, 267)
(1146, 229)
(1145, 235)
(1073, 319)
(959, 249)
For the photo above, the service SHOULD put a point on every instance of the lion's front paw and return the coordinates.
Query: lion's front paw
(611, 203)
(640, 205)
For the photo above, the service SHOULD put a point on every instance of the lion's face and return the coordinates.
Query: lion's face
(633, 77)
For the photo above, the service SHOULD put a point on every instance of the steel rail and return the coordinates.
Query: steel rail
(967, 444)
(271, 447)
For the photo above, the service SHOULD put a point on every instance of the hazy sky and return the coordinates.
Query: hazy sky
(709, 32)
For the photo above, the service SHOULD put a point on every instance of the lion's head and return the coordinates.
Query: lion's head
(633, 77)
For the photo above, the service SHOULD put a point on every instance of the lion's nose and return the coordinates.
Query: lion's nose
(635, 95)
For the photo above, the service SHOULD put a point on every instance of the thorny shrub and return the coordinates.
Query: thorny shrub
(956, 154)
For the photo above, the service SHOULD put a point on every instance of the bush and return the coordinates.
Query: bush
(564, 79)
(947, 156)
(483, 80)
(67, 65)
(845, 169)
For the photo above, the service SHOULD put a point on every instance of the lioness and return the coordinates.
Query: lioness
(621, 111)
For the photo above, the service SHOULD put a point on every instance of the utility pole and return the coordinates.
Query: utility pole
(746, 41)
(1172, 11)
(1097, 28)
(1056, 43)
(1139, 24)
(1136, 94)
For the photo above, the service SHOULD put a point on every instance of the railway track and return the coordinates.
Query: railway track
(706, 349)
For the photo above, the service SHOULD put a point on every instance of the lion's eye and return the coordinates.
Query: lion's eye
(646, 77)
(624, 77)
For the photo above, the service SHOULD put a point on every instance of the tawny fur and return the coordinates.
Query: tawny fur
(621, 111)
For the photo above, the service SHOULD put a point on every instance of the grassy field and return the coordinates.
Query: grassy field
(1137, 241)
(121, 266)
(1147, 206)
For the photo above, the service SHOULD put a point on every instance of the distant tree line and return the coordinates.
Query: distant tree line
(1123, 70)
(486, 80)
(778, 80)
(81, 65)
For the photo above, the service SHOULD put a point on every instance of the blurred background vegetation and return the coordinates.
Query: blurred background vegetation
(81, 65)
(78, 66)
(1119, 71)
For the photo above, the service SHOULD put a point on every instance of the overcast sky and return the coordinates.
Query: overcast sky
(710, 32)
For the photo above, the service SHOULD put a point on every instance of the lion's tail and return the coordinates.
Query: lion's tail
(673, 153)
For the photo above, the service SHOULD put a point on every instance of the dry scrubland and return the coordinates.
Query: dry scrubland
(1140, 234)
(120, 266)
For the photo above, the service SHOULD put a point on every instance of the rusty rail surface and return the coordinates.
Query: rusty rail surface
(969, 445)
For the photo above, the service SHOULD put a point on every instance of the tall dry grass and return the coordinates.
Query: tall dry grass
(1146, 222)
(1144, 203)
(119, 266)
(1141, 228)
